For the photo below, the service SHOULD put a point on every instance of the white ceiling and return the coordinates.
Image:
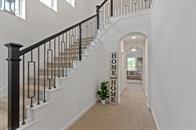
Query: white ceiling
(139, 38)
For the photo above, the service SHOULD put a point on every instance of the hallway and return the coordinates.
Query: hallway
(130, 114)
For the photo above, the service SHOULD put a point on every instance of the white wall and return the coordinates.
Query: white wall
(40, 23)
(195, 56)
(172, 64)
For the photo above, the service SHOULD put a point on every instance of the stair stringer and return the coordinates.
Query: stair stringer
(74, 95)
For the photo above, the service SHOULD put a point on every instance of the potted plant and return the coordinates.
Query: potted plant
(103, 93)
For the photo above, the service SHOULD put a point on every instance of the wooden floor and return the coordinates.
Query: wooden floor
(130, 114)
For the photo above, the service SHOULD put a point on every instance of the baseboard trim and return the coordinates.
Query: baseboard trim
(146, 93)
(77, 117)
(3, 92)
(155, 119)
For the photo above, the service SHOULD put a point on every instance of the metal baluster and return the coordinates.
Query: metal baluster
(34, 79)
(80, 42)
(65, 55)
(117, 9)
(120, 7)
(123, 7)
(70, 65)
(75, 40)
(70, 48)
(102, 18)
(145, 4)
(106, 12)
(91, 30)
(50, 75)
(87, 31)
(98, 16)
(59, 55)
(38, 83)
(62, 56)
(135, 3)
(55, 63)
(129, 6)
(71, 51)
(23, 91)
(126, 7)
(44, 72)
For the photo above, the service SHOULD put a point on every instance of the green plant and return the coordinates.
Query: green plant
(103, 93)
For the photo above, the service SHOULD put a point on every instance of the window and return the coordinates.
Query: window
(50, 3)
(15, 7)
(131, 63)
(71, 2)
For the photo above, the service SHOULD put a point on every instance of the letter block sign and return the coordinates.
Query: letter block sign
(114, 77)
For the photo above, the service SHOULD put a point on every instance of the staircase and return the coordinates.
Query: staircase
(35, 69)
(65, 62)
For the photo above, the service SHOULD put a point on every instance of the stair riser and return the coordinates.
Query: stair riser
(56, 65)
(89, 39)
(41, 82)
(66, 60)
(58, 73)
(77, 47)
(83, 43)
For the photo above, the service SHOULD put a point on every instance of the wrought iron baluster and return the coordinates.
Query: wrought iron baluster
(50, 65)
(38, 82)
(34, 79)
(72, 51)
(44, 93)
(55, 63)
(62, 55)
(59, 56)
(23, 90)
(135, 5)
(145, 4)
(80, 42)
(66, 54)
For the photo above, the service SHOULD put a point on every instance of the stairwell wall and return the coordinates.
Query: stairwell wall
(172, 64)
(40, 22)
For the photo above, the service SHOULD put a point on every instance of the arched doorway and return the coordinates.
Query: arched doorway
(133, 62)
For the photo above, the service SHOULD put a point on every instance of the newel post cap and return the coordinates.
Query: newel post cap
(14, 45)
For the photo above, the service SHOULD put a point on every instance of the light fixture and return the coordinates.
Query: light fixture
(133, 37)
(133, 49)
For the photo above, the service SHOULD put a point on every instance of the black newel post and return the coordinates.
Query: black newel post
(98, 16)
(13, 85)
(80, 43)
(111, 8)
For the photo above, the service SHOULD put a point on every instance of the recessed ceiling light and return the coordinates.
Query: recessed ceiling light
(133, 37)
(133, 49)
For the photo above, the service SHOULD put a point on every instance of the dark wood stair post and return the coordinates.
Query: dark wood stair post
(13, 85)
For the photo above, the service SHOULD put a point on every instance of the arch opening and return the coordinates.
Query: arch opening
(133, 61)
